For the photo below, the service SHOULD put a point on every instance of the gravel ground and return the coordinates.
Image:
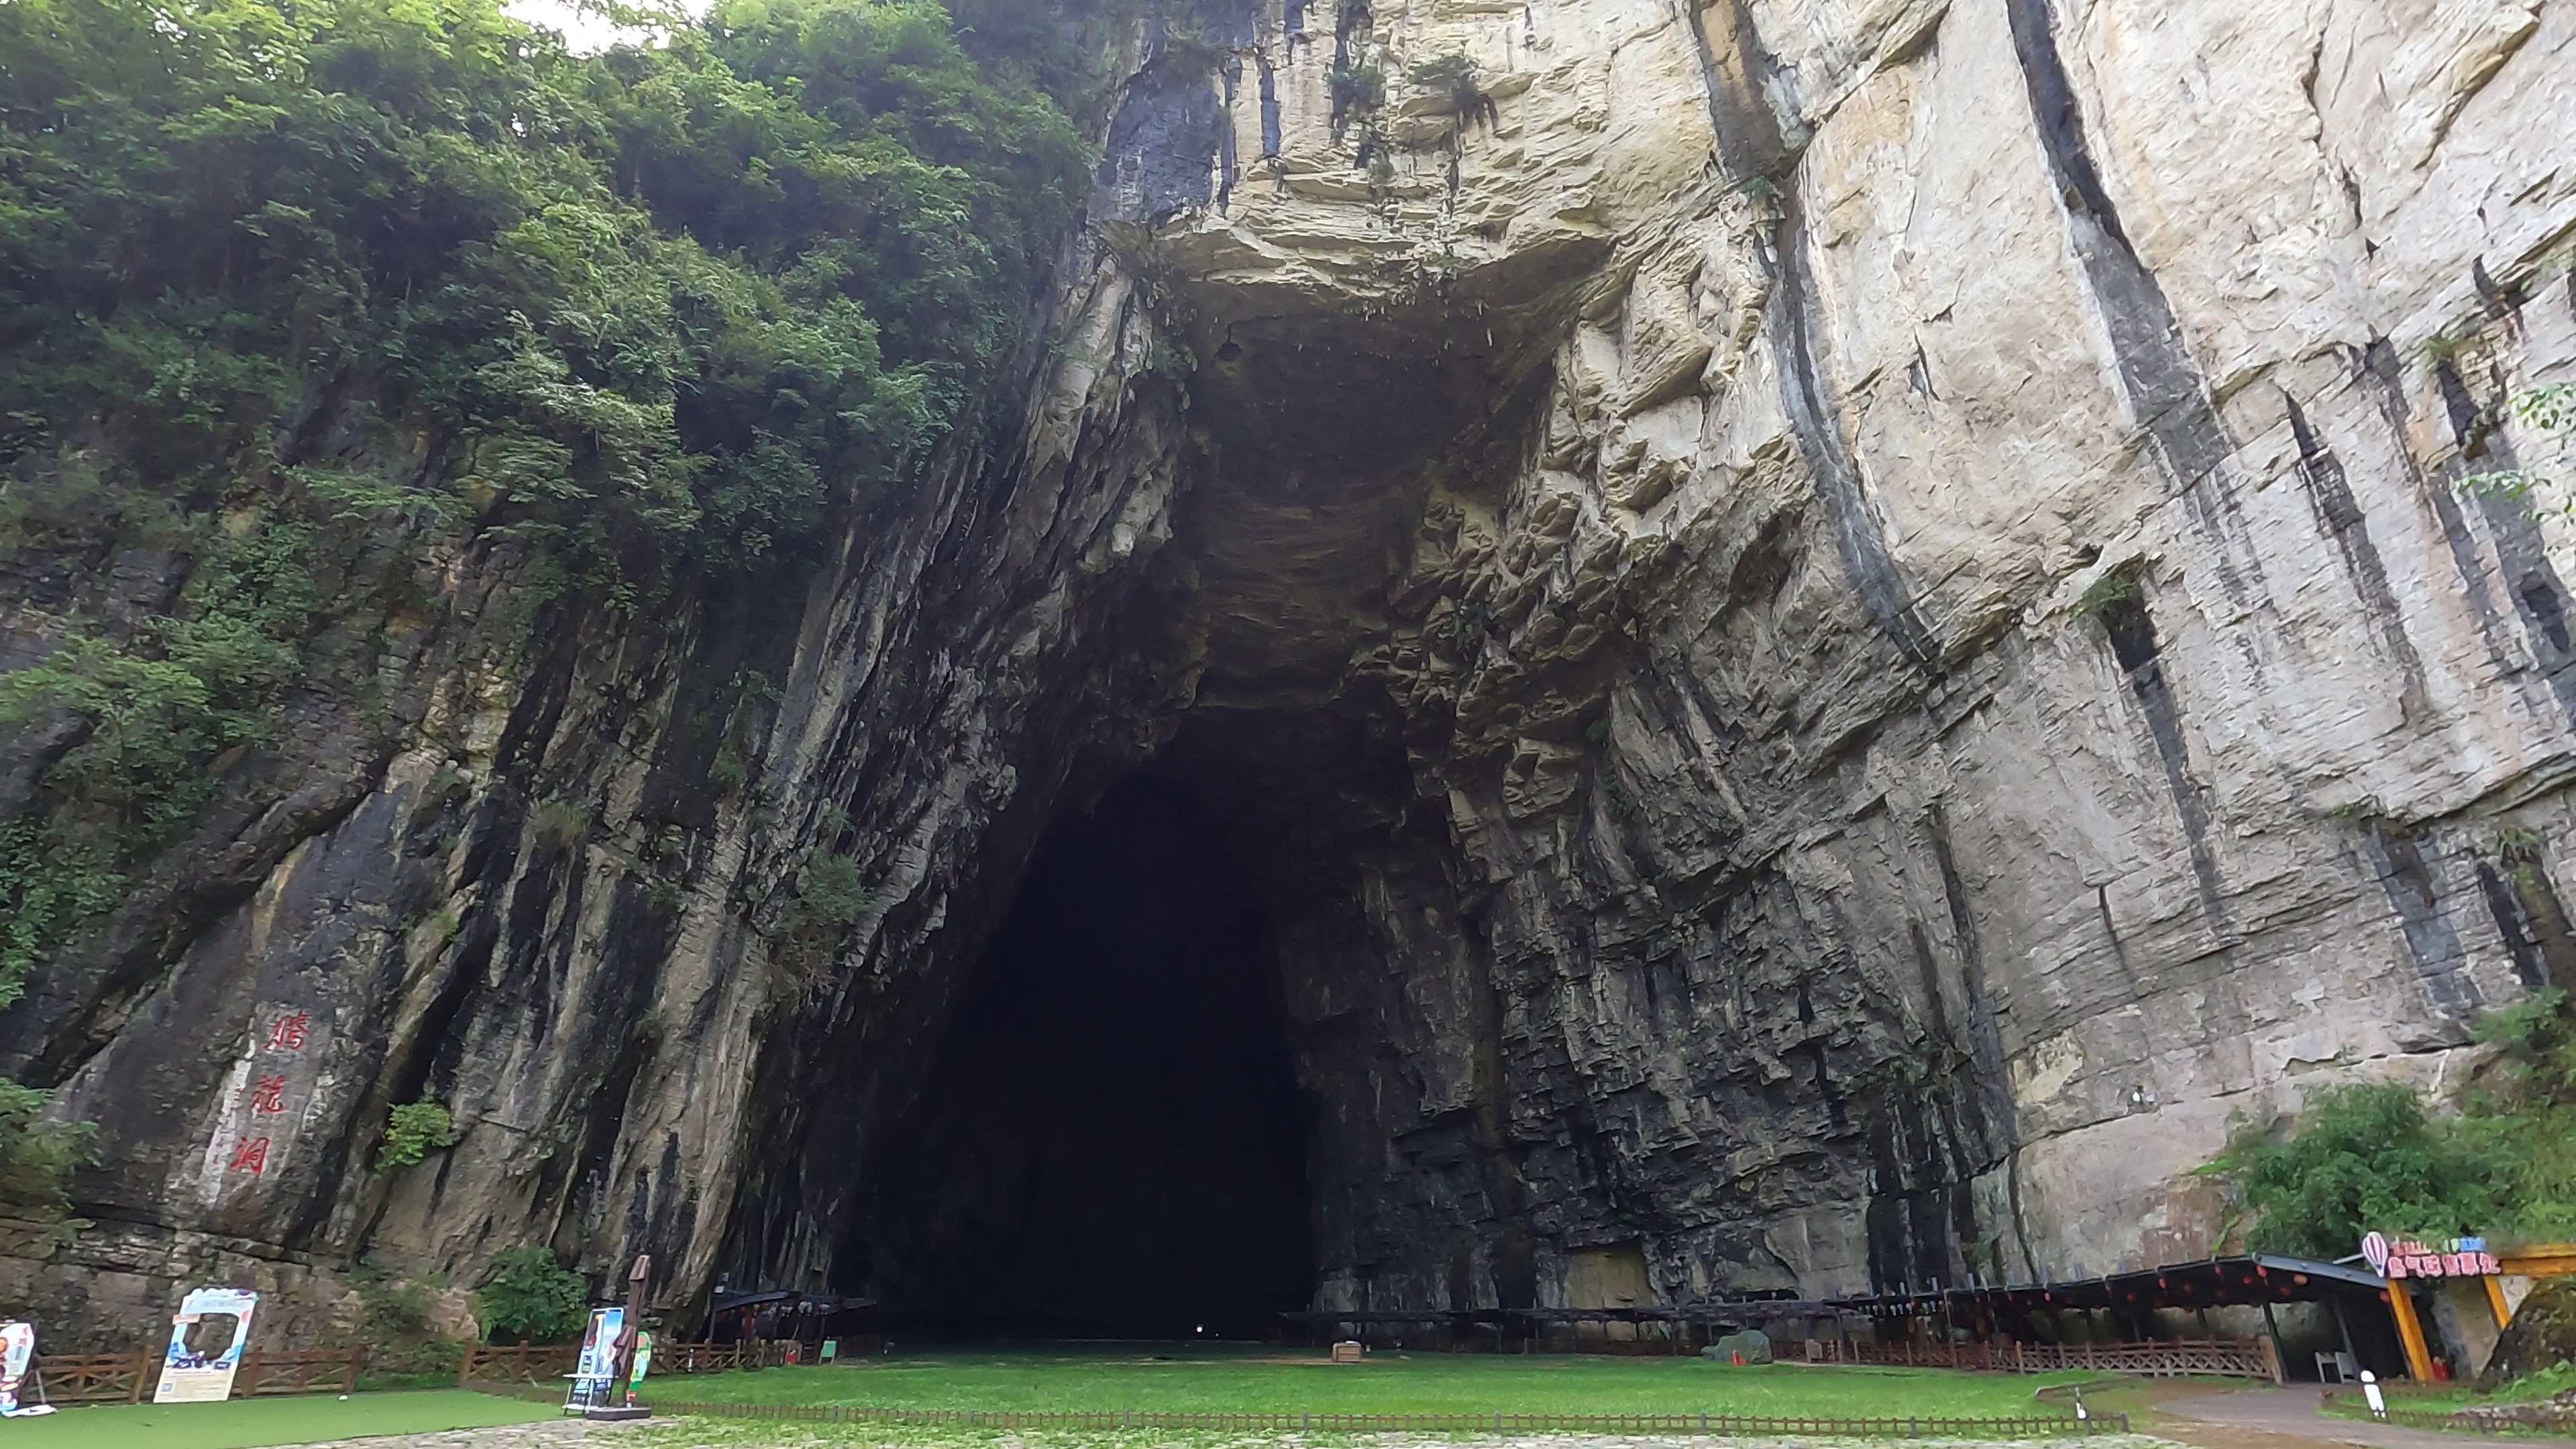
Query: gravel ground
(683, 1435)
(700, 1434)
(562, 1435)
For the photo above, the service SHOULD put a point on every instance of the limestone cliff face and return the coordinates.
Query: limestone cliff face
(1833, 629)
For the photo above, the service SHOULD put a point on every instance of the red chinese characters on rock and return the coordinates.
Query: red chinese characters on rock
(288, 1032)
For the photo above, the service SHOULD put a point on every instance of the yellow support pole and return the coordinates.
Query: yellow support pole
(2410, 1333)
(2495, 1300)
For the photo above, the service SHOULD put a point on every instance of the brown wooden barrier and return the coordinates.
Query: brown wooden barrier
(2215, 1357)
(298, 1371)
(524, 1363)
(129, 1378)
(97, 1378)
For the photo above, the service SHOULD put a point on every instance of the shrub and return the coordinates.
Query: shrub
(2371, 1157)
(1356, 86)
(832, 892)
(669, 316)
(2363, 1157)
(530, 1298)
(403, 1351)
(411, 1132)
(37, 1156)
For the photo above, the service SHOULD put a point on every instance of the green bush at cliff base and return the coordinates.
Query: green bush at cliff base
(404, 1350)
(530, 1298)
(2372, 1156)
(37, 1156)
(289, 287)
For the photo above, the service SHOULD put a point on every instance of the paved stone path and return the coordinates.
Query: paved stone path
(552, 1434)
(2289, 1417)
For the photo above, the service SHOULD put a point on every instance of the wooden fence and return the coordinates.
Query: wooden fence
(2250, 1358)
(128, 1378)
(548, 1362)
(97, 1378)
(519, 1363)
(2014, 1427)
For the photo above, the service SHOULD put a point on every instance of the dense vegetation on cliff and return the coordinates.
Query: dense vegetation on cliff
(2373, 1156)
(292, 290)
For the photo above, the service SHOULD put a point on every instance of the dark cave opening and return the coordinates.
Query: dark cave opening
(1110, 1141)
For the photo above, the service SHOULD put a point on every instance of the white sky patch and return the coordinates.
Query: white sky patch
(585, 31)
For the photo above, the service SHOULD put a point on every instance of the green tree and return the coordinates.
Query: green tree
(37, 1156)
(287, 283)
(531, 1298)
(2363, 1157)
(2371, 1156)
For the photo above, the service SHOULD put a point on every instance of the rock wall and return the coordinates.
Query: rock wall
(1833, 631)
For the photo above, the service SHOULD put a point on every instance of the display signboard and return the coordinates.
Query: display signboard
(643, 1361)
(594, 1374)
(17, 1351)
(201, 1372)
(2411, 1258)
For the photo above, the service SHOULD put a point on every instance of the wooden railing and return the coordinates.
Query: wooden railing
(716, 1358)
(2218, 1357)
(129, 1378)
(97, 1378)
(546, 1362)
(520, 1363)
(298, 1371)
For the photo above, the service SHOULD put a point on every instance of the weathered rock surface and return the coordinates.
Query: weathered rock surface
(1835, 629)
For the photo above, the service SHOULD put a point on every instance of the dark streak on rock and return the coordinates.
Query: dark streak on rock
(2379, 374)
(2132, 632)
(1269, 108)
(1857, 534)
(2339, 517)
(2520, 941)
(2397, 859)
(1987, 1099)
(2522, 553)
(1750, 144)
(2164, 388)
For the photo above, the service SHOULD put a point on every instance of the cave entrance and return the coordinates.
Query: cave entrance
(1109, 1141)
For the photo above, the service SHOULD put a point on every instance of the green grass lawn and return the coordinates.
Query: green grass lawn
(2548, 1383)
(1388, 1383)
(257, 1423)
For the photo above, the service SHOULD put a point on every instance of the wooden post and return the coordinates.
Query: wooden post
(2280, 1355)
(635, 1281)
(2410, 1333)
(2495, 1299)
(357, 1361)
(246, 1383)
(142, 1372)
